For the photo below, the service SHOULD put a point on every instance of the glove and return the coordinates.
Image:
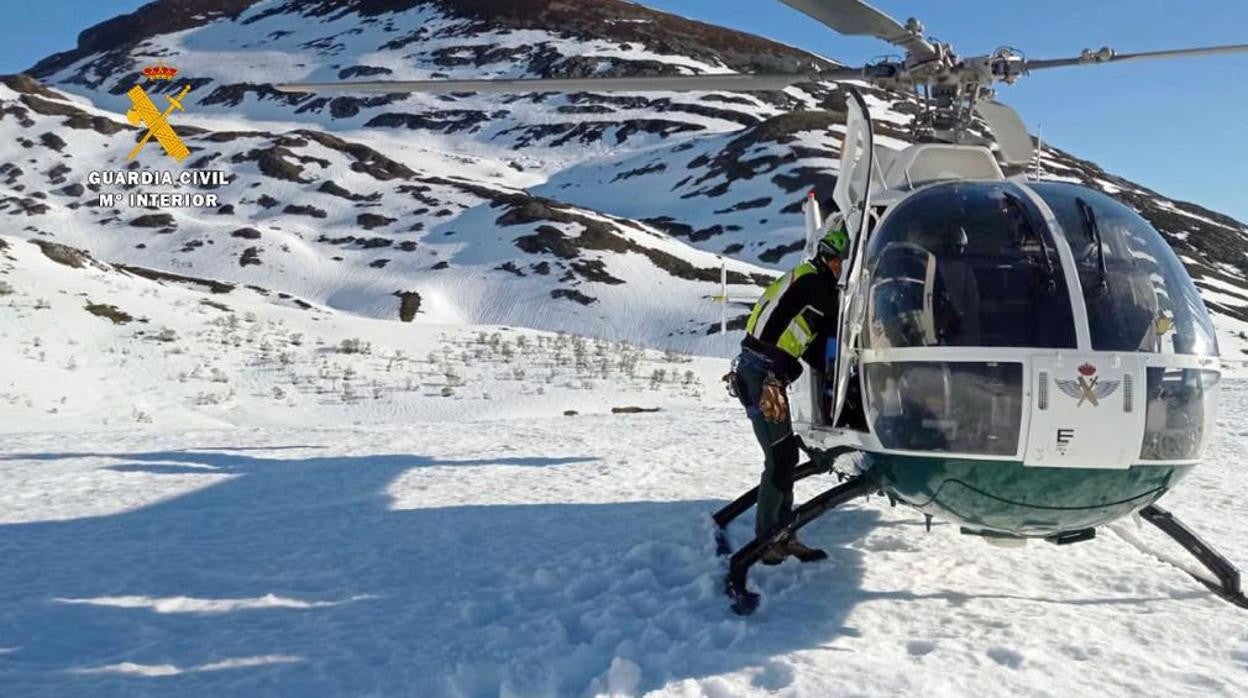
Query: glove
(773, 402)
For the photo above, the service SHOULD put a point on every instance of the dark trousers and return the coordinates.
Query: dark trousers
(780, 454)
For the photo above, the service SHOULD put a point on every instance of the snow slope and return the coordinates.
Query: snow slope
(488, 254)
(93, 347)
(601, 215)
(221, 497)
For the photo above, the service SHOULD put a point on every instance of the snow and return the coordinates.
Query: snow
(171, 670)
(562, 556)
(182, 604)
(1170, 206)
(242, 358)
(1236, 290)
(231, 495)
(404, 543)
(1231, 299)
(1107, 186)
(298, 258)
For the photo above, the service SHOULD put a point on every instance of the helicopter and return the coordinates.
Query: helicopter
(994, 331)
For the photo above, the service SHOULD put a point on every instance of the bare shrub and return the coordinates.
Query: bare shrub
(112, 312)
(354, 345)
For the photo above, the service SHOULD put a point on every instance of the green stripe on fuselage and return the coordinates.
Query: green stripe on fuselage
(1009, 498)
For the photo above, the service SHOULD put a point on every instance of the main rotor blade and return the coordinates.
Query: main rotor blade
(856, 18)
(1104, 56)
(741, 82)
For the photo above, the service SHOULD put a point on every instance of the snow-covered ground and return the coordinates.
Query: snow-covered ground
(556, 556)
(219, 496)
(96, 347)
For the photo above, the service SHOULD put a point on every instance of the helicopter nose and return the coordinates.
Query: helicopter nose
(1085, 413)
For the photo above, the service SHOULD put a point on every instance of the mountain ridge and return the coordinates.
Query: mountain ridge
(583, 200)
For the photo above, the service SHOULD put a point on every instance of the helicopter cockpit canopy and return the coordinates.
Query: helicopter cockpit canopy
(971, 284)
(968, 265)
(975, 264)
(1137, 294)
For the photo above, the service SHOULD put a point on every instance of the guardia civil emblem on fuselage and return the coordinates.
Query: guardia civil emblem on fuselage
(1088, 387)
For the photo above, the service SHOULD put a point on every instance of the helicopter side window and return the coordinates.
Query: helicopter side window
(902, 291)
(1180, 413)
(1137, 293)
(967, 264)
(962, 407)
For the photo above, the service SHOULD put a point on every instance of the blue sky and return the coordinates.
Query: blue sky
(1180, 127)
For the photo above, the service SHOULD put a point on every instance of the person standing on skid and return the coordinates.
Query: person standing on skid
(793, 320)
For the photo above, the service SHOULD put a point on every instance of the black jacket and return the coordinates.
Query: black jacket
(816, 298)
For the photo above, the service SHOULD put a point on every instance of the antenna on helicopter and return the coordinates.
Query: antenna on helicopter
(1039, 151)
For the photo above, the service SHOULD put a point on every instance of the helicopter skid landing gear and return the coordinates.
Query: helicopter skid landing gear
(1228, 587)
(820, 462)
(744, 601)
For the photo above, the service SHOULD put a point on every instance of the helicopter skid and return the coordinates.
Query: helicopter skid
(820, 462)
(1228, 585)
(744, 601)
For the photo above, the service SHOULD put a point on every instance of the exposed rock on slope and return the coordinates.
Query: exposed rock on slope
(615, 206)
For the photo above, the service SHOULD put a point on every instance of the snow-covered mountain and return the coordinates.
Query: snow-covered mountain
(206, 489)
(598, 214)
(366, 426)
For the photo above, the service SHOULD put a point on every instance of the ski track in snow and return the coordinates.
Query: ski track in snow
(560, 556)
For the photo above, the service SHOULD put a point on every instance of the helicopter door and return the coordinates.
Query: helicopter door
(1086, 413)
(853, 196)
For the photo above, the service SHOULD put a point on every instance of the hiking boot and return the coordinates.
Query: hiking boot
(801, 551)
(774, 555)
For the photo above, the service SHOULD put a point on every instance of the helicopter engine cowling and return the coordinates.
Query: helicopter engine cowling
(1035, 360)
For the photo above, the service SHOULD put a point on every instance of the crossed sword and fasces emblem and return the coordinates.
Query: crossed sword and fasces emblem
(1092, 391)
(144, 111)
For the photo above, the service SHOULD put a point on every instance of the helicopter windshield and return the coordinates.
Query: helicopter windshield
(1138, 296)
(951, 407)
(1181, 413)
(967, 264)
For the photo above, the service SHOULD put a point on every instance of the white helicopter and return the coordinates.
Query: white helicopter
(994, 332)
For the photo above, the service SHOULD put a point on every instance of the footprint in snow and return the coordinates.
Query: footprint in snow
(919, 648)
(485, 612)
(1081, 654)
(1006, 657)
(889, 544)
(774, 676)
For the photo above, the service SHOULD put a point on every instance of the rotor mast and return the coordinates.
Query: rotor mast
(949, 88)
